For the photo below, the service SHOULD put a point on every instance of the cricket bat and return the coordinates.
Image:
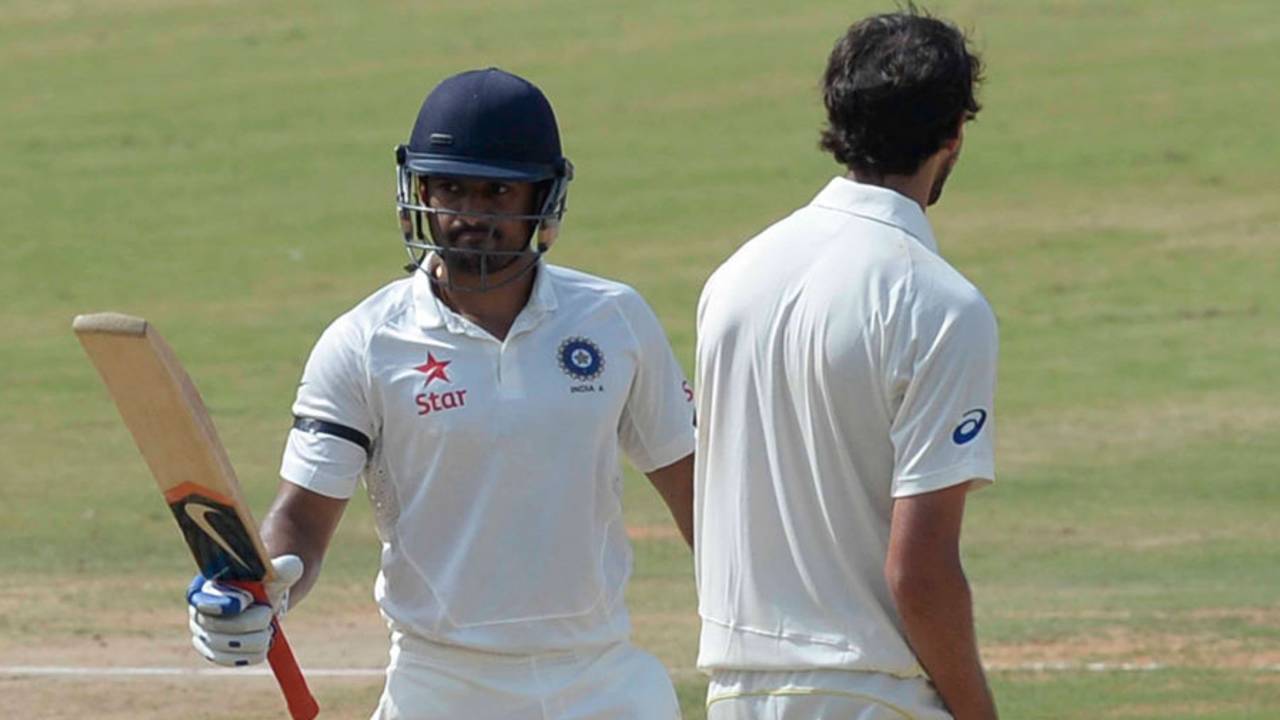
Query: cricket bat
(172, 428)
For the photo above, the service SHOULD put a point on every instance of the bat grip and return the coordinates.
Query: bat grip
(302, 705)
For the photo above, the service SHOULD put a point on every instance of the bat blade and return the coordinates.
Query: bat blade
(172, 429)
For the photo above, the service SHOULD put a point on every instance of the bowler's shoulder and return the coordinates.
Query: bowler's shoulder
(935, 280)
(940, 293)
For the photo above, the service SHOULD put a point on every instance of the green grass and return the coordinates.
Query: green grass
(1162, 695)
(224, 168)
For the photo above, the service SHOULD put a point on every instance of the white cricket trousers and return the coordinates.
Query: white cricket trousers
(429, 681)
(821, 695)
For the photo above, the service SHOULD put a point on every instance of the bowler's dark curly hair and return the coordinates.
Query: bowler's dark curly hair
(897, 87)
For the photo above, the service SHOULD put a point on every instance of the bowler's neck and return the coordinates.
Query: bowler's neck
(917, 186)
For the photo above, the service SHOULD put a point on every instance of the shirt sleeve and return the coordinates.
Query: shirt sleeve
(334, 389)
(656, 427)
(944, 361)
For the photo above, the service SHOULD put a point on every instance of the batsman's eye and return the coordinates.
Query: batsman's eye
(440, 188)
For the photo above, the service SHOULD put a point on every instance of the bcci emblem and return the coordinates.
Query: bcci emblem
(581, 359)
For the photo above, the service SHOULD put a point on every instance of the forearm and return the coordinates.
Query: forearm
(283, 535)
(937, 611)
(682, 513)
(675, 484)
(302, 523)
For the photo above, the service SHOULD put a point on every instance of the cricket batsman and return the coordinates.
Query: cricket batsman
(845, 381)
(485, 400)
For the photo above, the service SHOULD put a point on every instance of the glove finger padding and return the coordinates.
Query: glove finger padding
(227, 659)
(256, 619)
(240, 643)
(234, 649)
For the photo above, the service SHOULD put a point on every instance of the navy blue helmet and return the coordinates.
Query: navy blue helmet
(483, 124)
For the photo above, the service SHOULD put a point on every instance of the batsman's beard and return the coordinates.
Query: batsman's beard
(443, 274)
(481, 258)
(471, 269)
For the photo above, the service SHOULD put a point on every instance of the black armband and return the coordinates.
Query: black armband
(324, 427)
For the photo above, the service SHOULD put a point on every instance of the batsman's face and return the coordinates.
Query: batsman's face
(473, 221)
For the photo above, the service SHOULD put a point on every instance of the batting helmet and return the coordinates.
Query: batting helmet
(487, 124)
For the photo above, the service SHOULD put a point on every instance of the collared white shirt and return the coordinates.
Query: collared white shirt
(494, 472)
(841, 363)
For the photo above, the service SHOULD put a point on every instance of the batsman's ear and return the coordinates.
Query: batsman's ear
(552, 201)
(955, 143)
(548, 231)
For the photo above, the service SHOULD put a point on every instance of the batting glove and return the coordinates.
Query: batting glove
(227, 627)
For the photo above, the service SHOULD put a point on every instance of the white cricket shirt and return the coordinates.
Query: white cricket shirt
(841, 363)
(494, 471)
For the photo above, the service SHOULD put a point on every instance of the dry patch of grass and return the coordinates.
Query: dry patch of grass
(1183, 220)
(1123, 434)
(1196, 647)
(1179, 708)
(1262, 616)
(213, 697)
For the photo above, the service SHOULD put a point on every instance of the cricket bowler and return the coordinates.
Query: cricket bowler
(845, 381)
(485, 400)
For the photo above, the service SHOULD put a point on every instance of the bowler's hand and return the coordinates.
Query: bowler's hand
(227, 626)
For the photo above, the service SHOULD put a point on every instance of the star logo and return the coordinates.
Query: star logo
(434, 369)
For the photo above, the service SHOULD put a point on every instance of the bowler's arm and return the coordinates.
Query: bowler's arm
(929, 587)
(674, 483)
(301, 522)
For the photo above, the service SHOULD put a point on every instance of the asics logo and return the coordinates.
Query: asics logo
(199, 515)
(970, 427)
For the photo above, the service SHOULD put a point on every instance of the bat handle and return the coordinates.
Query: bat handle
(302, 705)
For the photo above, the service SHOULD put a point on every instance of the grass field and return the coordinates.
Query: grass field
(225, 169)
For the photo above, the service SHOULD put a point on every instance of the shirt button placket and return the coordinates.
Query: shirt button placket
(509, 369)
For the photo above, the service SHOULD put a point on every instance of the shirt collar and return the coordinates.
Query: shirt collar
(880, 204)
(431, 312)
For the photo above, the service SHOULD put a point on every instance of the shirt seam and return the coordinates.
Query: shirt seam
(638, 347)
(738, 627)
(788, 692)
(367, 354)
(908, 294)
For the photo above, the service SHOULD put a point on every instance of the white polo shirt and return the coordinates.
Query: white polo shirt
(841, 363)
(494, 468)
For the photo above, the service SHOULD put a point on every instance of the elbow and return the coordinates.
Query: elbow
(918, 587)
(905, 584)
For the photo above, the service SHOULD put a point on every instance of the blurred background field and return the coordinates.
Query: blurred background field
(225, 169)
